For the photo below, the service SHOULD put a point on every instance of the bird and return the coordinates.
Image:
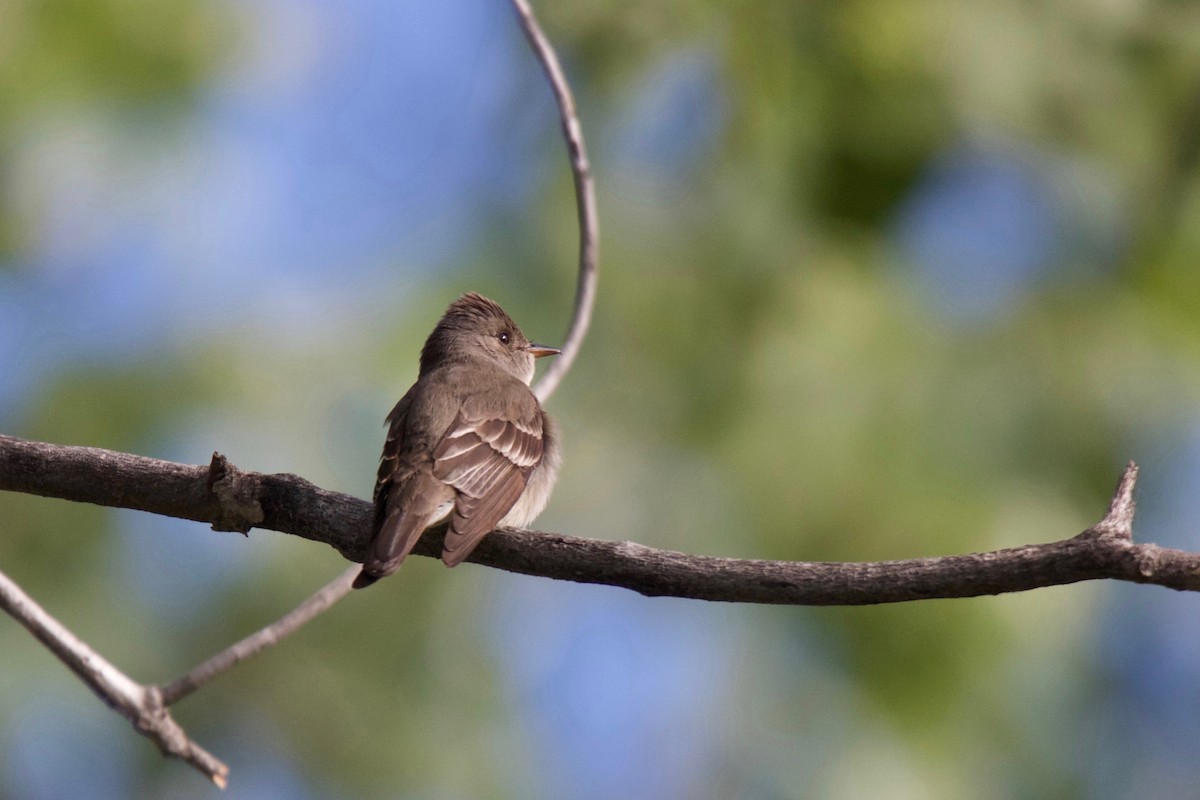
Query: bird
(468, 441)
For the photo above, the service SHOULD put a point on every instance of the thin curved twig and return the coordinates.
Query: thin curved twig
(585, 201)
(585, 296)
(585, 196)
(228, 478)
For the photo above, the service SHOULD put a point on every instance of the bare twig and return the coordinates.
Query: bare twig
(585, 200)
(141, 705)
(293, 505)
(272, 634)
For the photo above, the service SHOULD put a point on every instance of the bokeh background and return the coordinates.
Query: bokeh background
(879, 280)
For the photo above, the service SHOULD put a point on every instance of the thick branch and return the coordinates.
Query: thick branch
(121, 480)
(293, 505)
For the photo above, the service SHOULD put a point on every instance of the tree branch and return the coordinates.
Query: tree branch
(293, 505)
(229, 499)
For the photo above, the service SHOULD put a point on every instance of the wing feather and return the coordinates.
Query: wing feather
(487, 459)
(407, 501)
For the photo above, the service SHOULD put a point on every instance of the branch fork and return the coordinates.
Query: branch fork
(141, 705)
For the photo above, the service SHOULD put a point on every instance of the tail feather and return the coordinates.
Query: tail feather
(397, 537)
(363, 580)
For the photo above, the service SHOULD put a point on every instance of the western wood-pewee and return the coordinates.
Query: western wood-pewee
(469, 440)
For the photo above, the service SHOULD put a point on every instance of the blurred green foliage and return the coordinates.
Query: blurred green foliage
(112, 56)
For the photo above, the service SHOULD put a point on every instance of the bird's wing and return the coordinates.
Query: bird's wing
(389, 461)
(486, 455)
(406, 498)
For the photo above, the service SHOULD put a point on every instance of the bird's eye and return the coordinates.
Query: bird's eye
(504, 337)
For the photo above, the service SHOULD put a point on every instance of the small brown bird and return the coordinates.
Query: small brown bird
(469, 440)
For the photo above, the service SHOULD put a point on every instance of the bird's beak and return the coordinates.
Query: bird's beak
(539, 350)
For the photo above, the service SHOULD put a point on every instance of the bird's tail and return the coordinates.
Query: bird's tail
(397, 536)
(364, 580)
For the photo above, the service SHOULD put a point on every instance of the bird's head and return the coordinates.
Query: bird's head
(475, 327)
